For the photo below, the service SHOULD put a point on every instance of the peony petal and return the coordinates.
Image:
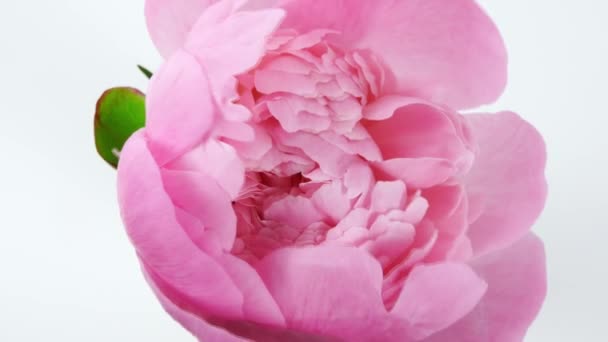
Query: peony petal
(295, 211)
(363, 146)
(436, 296)
(516, 289)
(220, 32)
(507, 178)
(170, 21)
(217, 160)
(200, 196)
(298, 114)
(203, 330)
(418, 129)
(385, 107)
(180, 108)
(448, 52)
(417, 173)
(387, 196)
(332, 200)
(332, 291)
(331, 159)
(258, 304)
(160, 241)
(448, 210)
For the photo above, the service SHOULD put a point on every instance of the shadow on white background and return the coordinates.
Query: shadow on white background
(67, 270)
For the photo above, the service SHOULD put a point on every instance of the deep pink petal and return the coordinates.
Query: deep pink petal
(436, 296)
(448, 52)
(161, 242)
(507, 180)
(180, 110)
(516, 290)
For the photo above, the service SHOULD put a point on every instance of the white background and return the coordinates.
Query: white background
(67, 270)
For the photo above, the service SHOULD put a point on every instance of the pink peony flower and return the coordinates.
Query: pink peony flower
(304, 174)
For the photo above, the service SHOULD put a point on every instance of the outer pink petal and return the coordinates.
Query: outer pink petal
(180, 107)
(436, 296)
(161, 242)
(448, 52)
(216, 159)
(170, 21)
(258, 305)
(203, 330)
(199, 195)
(516, 290)
(230, 43)
(507, 180)
(329, 291)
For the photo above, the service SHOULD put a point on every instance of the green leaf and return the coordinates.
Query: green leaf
(120, 113)
(145, 71)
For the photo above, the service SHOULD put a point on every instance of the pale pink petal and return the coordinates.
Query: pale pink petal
(390, 239)
(516, 290)
(418, 173)
(180, 110)
(331, 291)
(388, 195)
(252, 151)
(357, 218)
(299, 114)
(415, 211)
(273, 81)
(507, 180)
(220, 32)
(170, 21)
(436, 296)
(448, 52)
(421, 130)
(364, 145)
(217, 160)
(384, 107)
(160, 241)
(233, 130)
(295, 211)
(331, 159)
(332, 200)
(358, 179)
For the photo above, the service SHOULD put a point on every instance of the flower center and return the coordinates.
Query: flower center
(273, 212)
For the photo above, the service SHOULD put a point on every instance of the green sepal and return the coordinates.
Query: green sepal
(145, 71)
